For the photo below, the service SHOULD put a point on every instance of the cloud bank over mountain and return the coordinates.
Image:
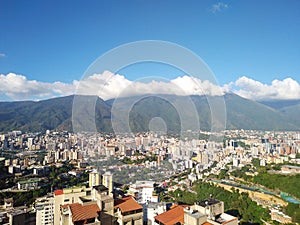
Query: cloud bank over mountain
(108, 85)
(18, 87)
(255, 90)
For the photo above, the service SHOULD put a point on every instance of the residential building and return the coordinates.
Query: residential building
(94, 178)
(80, 213)
(210, 211)
(214, 210)
(128, 211)
(67, 200)
(173, 216)
(153, 209)
(30, 184)
(105, 201)
(143, 191)
(44, 207)
(107, 181)
(67, 196)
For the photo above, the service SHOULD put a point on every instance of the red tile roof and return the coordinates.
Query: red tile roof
(83, 212)
(173, 216)
(127, 204)
(58, 192)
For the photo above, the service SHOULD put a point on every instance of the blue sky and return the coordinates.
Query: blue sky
(52, 41)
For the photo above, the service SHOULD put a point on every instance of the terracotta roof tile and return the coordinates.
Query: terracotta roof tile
(83, 212)
(127, 204)
(173, 216)
(58, 192)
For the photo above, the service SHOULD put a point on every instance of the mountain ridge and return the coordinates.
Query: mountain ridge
(176, 112)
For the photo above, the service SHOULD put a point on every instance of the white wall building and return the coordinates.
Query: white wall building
(143, 191)
(45, 210)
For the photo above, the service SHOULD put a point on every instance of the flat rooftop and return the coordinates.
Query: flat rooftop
(207, 202)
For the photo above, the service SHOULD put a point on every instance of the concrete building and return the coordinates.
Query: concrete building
(214, 210)
(143, 191)
(153, 209)
(67, 196)
(210, 211)
(105, 201)
(30, 184)
(45, 210)
(80, 214)
(68, 200)
(173, 216)
(94, 178)
(107, 181)
(17, 216)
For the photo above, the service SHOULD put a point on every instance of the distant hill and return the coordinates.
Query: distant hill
(50, 114)
(135, 113)
(289, 108)
(247, 114)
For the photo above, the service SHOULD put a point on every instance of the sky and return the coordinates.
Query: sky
(252, 47)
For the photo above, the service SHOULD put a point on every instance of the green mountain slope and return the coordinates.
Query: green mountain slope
(136, 113)
(50, 114)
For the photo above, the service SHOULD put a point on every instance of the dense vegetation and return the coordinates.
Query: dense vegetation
(237, 204)
(293, 210)
(276, 182)
(23, 198)
(288, 184)
(57, 179)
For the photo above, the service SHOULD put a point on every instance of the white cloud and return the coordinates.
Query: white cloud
(17, 87)
(218, 7)
(2, 55)
(249, 88)
(108, 85)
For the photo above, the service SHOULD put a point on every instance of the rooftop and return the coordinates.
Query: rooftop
(100, 188)
(173, 216)
(83, 212)
(194, 213)
(207, 202)
(127, 204)
(58, 192)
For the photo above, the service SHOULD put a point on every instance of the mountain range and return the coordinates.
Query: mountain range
(137, 113)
